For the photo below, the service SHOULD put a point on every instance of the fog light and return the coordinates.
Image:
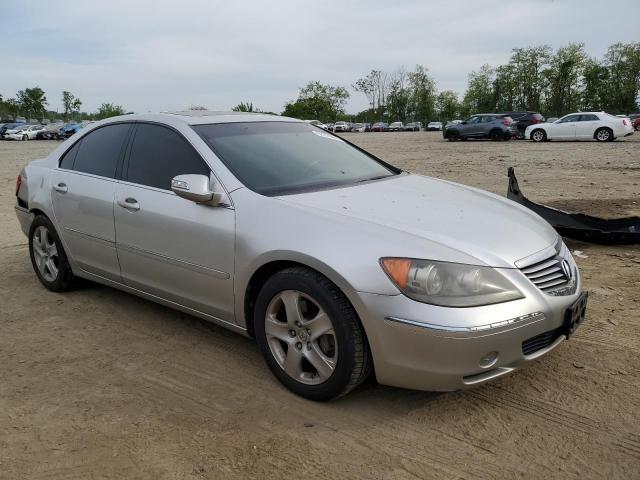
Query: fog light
(489, 359)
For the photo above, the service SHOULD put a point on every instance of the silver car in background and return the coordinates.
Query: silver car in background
(337, 263)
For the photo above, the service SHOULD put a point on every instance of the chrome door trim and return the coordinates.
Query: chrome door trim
(174, 261)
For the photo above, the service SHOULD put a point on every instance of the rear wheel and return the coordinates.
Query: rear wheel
(538, 135)
(603, 135)
(48, 257)
(310, 335)
(496, 135)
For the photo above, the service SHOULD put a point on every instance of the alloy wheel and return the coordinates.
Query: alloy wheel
(603, 135)
(301, 337)
(45, 253)
(538, 136)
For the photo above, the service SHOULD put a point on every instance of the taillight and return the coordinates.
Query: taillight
(18, 183)
(624, 121)
(534, 121)
(507, 121)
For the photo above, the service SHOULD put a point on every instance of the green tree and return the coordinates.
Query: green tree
(318, 101)
(448, 106)
(375, 86)
(528, 65)
(32, 102)
(479, 95)
(71, 104)
(595, 92)
(564, 79)
(398, 96)
(422, 95)
(107, 110)
(243, 107)
(623, 63)
(504, 88)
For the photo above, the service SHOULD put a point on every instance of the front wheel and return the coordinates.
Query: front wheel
(538, 135)
(310, 335)
(603, 135)
(25, 138)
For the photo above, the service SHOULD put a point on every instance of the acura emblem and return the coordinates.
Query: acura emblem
(566, 269)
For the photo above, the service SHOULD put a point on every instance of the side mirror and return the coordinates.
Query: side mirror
(196, 188)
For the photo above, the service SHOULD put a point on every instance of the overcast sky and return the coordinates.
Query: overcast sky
(164, 55)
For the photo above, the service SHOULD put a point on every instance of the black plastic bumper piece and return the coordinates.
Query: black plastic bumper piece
(617, 231)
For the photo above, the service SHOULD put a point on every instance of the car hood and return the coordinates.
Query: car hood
(492, 229)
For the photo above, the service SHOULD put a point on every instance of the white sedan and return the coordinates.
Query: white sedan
(599, 126)
(24, 132)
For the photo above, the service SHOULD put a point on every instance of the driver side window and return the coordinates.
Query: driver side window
(570, 118)
(473, 120)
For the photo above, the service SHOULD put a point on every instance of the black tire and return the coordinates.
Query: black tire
(64, 279)
(603, 135)
(353, 363)
(25, 138)
(637, 127)
(496, 135)
(452, 135)
(539, 135)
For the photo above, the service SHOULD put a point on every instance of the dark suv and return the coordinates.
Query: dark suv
(521, 120)
(485, 125)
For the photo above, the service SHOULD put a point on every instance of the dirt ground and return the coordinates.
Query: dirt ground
(100, 384)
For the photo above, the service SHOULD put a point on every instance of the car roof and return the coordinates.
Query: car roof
(202, 117)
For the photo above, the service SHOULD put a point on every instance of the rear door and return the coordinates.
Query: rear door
(169, 246)
(587, 126)
(83, 189)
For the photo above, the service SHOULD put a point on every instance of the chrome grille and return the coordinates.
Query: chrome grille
(547, 274)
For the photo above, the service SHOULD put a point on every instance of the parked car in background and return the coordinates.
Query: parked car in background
(413, 127)
(396, 127)
(599, 126)
(453, 122)
(358, 127)
(635, 121)
(70, 128)
(337, 263)
(51, 131)
(341, 127)
(495, 126)
(380, 127)
(317, 123)
(329, 126)
(551, 119)
(23, 132)
(521, 120)
(434, 126)
(9, 126)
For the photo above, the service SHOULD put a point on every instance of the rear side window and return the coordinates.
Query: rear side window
(70, 156)
(158, 154)
(588, 118)
(100, 150)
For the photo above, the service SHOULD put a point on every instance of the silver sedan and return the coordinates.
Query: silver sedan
(338, 263)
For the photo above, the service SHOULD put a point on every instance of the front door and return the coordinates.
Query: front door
(169, 246)
(83, 189)
(565, 128)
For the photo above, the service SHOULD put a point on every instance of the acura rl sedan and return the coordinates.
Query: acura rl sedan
(336, 262)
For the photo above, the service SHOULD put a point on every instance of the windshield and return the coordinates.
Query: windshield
(275, 158)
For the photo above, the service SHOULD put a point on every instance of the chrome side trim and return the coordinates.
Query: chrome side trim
(476, 330)
(95, 238)
(174, 261)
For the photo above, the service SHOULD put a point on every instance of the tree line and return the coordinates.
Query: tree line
(31, 103)
(553, 83)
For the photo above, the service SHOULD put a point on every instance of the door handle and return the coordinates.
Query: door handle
(61, 187)
(130, 204)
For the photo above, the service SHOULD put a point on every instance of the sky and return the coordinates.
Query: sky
(158, 55)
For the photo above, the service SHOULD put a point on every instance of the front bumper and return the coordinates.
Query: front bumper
(426, 347)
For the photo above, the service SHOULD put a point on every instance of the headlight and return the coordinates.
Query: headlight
(449, 284)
